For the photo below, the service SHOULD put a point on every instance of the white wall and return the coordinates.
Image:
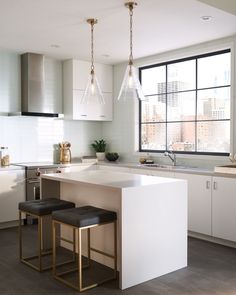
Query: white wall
(32, 138)
(122, 133)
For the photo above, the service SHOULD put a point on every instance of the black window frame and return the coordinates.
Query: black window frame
(195, 57)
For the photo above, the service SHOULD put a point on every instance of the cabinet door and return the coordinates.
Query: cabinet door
(12, 191)
(106, 110)
(105, 77)
(81, 70)
(224, 208)
(91, 111)
(199, 202)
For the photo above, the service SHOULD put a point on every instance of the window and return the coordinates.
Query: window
(187, 106)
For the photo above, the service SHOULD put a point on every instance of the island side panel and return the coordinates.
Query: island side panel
(154, 231)
(49, 188)
(98, 196)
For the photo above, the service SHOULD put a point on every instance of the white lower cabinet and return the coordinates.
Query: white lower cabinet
(75, 78)
(12, 191)
(199, 202)
(224, 208)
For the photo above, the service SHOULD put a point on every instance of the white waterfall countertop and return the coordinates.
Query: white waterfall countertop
(108, 179)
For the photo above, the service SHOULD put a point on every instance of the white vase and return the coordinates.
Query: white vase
(100, 156)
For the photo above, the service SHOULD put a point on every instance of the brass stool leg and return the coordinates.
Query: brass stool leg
(53, 248)
(80, 278)
(20, 236)
(74, 244)
(40, 242)
(115, 249)
(88, 245)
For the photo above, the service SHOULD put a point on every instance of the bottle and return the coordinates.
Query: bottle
(5, 158)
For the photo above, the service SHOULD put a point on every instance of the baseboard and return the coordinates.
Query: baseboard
(212, 239)
(9, 224)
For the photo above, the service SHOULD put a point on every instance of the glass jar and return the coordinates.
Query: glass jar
(5, 158)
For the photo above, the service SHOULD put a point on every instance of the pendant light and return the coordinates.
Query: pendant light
(131, 87)
(93, 92)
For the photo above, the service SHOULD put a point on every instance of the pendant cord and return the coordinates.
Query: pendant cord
(92, 47)
(131, 34)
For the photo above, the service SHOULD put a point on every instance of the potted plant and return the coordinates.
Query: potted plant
(99, 147)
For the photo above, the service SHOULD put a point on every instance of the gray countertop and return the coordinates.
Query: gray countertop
(10, 167)
(175, 169)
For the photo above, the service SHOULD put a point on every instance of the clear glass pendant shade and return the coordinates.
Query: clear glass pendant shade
(93, 92)
(131, 87)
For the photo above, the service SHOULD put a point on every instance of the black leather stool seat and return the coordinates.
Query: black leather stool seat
(45, 207)
(84, 216)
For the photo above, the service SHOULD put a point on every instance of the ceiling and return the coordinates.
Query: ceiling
(159, 25)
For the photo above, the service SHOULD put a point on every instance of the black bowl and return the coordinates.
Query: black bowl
(112, 156)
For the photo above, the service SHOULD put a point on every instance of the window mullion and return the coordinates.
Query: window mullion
(166, 102)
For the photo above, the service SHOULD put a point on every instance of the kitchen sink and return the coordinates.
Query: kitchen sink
(168, 167)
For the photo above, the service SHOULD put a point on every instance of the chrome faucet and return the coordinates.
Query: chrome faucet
(172, 156)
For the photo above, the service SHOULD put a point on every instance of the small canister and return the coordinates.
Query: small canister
(5, 158)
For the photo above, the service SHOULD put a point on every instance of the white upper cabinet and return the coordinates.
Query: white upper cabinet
(91, 112)
(105, 77)
(75, 77)
(80, 72)
(10, 89)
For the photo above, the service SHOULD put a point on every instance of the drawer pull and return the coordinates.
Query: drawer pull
(208, 184)
(215, 185)
(83, 115)
(102, 116)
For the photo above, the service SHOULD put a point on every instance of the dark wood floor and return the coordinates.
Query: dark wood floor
(211, 270)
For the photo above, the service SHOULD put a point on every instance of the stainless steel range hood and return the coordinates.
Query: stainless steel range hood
(33, 99)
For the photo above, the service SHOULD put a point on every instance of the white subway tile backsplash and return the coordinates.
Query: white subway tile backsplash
(32, 139)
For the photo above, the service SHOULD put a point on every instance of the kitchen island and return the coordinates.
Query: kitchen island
(152, 218)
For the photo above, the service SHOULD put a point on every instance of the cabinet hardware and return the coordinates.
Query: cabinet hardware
(215, 185)
(208, 184)
(83, 115)
(103, 116)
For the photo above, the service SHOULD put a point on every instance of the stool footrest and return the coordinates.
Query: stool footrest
(34, 266)
(102, 253)
(36, 256)
(64, 240)
(84, 288)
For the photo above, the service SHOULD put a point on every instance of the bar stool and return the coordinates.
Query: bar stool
(39, 209)
(80, 219)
